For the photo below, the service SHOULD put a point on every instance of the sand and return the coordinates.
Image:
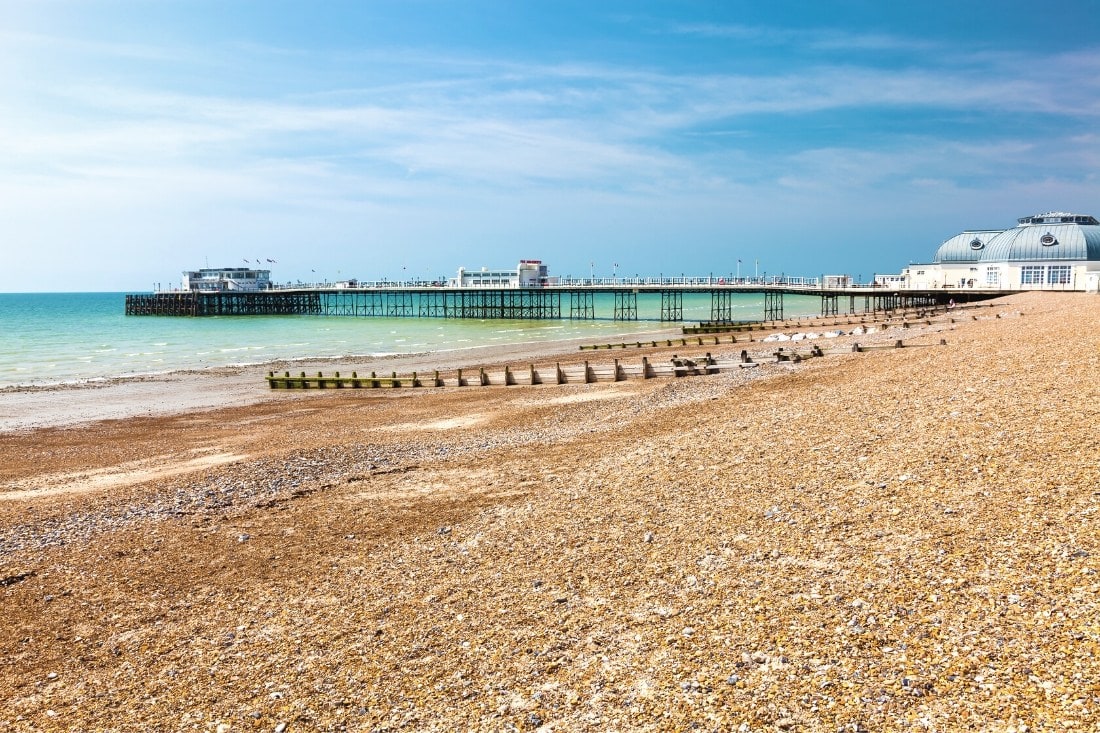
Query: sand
(174, 392)
(901, 539)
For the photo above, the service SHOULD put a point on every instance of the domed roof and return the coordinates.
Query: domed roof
(1051, 236)
(965, 247)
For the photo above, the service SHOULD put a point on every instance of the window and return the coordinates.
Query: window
(1058, 274)
(993, 276)
(1032, 274)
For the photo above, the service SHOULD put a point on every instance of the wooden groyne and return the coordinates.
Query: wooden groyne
(903, 317)
(584, 373)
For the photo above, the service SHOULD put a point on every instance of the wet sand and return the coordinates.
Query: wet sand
(901, 539)
(165, 394)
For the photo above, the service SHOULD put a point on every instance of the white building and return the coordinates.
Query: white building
(527, 274)
(227, 278)
(1052, 251)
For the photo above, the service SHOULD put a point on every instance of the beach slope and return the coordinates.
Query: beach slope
(901, 539)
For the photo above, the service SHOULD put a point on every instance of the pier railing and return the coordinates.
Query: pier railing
(572, 299)
(661, 281)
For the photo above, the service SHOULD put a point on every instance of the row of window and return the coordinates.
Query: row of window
(1045, 274)
(1073, 219)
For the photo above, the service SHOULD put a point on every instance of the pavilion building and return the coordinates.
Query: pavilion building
(1052, 251)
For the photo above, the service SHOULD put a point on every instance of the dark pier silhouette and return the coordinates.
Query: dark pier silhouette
(575, 302)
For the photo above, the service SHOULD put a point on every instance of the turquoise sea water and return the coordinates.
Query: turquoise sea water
(52, 338)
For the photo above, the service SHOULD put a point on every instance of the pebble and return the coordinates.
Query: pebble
(847, 544)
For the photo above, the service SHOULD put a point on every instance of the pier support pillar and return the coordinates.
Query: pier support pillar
(626, 305)
(721, 306)
(773, 305)
(672, 305)
(581, 305)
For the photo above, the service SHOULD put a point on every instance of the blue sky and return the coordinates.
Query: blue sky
(406, 139)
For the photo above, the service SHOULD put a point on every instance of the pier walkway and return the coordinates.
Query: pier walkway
(552, 302)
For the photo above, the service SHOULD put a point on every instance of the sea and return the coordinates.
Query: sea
(71, 338)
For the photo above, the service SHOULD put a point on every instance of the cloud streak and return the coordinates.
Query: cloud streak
(373, 134)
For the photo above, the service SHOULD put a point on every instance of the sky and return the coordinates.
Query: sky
(403, 140)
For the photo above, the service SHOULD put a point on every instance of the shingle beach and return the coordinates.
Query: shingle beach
(897, 540)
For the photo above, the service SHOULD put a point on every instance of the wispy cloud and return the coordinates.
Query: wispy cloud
(380, 133)
(815, 39)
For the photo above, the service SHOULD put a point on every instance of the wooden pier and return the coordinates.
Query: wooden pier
(536, 303)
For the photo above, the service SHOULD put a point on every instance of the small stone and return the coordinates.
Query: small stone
(688, 631)
(648, 537)
(244, 537)
(732, 679)
(280, 728)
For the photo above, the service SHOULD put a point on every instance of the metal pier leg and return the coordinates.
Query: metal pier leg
(672, 305)
(581, 305)
(626, 305)
(721, 306)
(773, 305)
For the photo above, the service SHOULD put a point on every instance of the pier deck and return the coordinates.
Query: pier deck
(575, 302)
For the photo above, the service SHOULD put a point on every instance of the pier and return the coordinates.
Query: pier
(575, 301)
